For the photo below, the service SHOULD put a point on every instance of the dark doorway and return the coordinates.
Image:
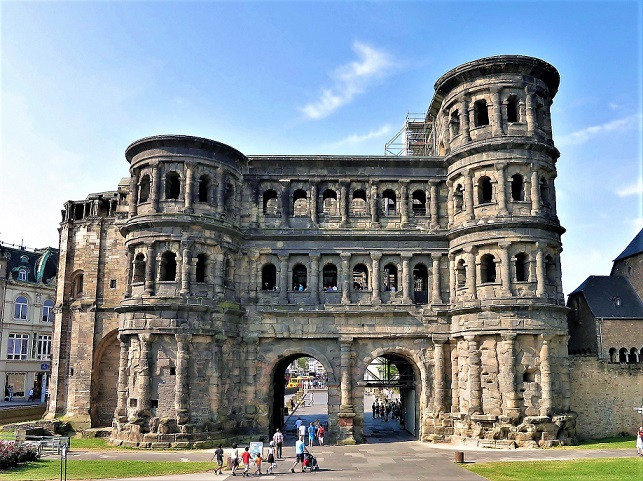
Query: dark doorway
(420, 284)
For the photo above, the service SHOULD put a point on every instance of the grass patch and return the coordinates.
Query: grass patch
(574, 470)
(91, 443)
(78, 469)
(617, 442)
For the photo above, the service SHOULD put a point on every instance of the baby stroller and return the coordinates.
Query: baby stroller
(310, 462)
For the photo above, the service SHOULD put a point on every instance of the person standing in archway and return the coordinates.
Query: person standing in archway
(278, 439)
(320, 434)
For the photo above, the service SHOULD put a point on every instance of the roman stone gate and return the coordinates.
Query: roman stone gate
(217, 269)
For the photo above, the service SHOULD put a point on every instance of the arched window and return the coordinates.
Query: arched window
(299, 277)
(517, 187)
(79, 211)
(461, 273)
(420, 284)
(360, 277)
(550, 270)
(487, 268)
(485, 190)
(77, 285)
(522, 272)
(144, 189)
(201, 267)
(512, 109)
(228, 272)
(358, 203)
(388, 202)
(544, 192)
(229, 197)
(22, 274)
(329, 277)
(613, 355)
(329, 201)
(20, 308)
(390, 277)
(167, 270)
(268, 277)
(300, 203)
(139, 268)
(270, 202)
(454, 123)
(458, 198)
(633, 357)
(419, 203)
(622, 355)
(172, 185)
(48, 311)
(204, 187)
(480, 113)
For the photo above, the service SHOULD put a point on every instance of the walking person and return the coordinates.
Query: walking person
(245, 457)
(300, 449)
(639, 442)
(258, 460)
(271, 457)
(234, 459)
(278, 439)
(320, 434)
(218, 453)
(301, 431)
(311, 435)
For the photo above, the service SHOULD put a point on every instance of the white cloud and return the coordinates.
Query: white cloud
(350, 80)
(635, 188)
(357, 138)
(583, 135)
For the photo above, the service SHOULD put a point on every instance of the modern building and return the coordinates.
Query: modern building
(186, 293)
(27, 293)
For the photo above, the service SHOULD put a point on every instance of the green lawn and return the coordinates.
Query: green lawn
(576, 470)
(618, 442)
(50, 469)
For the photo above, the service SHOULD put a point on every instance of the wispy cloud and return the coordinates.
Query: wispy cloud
(350, 80)
(359, 138)
(635, 188)
(583, 135)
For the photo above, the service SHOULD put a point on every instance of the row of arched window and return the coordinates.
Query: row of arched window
(626, 356)
(485, 194)
(21, 309)
(488, 271)
(168, 268)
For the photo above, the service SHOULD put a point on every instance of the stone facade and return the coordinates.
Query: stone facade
(226, 267)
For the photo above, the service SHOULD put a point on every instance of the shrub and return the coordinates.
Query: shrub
(12, 454)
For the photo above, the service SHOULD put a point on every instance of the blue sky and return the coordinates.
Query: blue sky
(80, 81)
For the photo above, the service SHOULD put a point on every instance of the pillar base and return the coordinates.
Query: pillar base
(346, 434)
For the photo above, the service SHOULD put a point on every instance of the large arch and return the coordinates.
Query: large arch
(105, 380)
(415, 400)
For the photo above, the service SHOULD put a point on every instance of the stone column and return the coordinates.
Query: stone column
(545, 377)
(149, 270)
(455, 372)
(253, 275)
(406, 279)
(436, 295)
(535, 193)
(283, 279)
(187, 197)
(182, 394)
(219, 206)
(504, 268)
(474, 383)
(464, 119)
(344, 203)
(155, 188)
(218, 275)
(185, 271)
(450, 206)
(285, 204)
(439, 404)
(453, 281)
(375, 278)
(346, 260)
(540, 270)
(314, 278)
(121, 403)
(144, 375)
(433, 204)
(373, 205)
(404, 204)
(255, 203)
(345, 367)
(497, 112)
(507, 377)
(130, 271)
(552, 194)
(471, 272)
(468, 192)
(502, 189)
(531, 117)
(313, 201)
(133, 192)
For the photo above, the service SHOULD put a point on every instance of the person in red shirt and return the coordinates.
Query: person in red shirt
(245, 457)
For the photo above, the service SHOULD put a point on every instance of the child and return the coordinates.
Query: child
(234, 459)
(219, 455)
(320, 434)
(258, 460)
(245, 457)
(271, 457)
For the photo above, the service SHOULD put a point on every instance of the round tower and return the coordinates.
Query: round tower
(491, 122)
(182, 241)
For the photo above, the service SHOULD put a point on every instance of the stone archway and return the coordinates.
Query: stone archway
(105, 380)
(412, 384)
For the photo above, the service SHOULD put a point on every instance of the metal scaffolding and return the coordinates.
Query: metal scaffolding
(412, 139)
